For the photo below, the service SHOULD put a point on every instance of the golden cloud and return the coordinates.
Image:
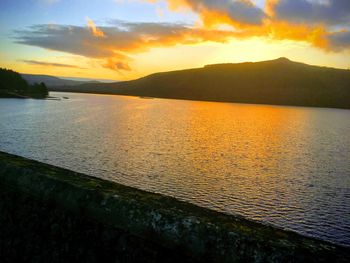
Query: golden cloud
(248, 20)
(115, 44)
(95, 31)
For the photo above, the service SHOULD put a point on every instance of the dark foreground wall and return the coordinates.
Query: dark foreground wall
(49, 214)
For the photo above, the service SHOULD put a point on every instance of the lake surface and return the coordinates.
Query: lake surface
(285, 166)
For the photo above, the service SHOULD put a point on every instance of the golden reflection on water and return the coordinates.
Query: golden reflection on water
(288, 166)
(250, 141)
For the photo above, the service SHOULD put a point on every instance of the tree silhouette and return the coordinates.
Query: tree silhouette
(12, 84)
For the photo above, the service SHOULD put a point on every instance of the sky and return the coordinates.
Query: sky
(128, 39)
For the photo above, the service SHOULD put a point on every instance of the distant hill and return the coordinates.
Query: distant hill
(51, 81)
(280, 81)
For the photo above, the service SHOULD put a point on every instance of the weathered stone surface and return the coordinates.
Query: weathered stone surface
(54, 214)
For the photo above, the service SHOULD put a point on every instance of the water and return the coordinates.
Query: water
(285, 166)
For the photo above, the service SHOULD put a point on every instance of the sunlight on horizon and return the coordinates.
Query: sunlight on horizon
(123, 40)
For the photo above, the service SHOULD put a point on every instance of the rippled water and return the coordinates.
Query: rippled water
(286, 166)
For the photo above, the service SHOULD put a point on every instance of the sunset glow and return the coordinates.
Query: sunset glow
(119, 40)
(175, 131)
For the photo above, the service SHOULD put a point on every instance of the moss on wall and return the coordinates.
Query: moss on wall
(53, 213)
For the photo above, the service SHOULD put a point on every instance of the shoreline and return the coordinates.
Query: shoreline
(171, 224)
(188, 99)
(20, 96)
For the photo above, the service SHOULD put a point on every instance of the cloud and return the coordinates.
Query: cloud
(322, 23)
(237, 12)
(121, 39)
(116, 65)
(49, 64)
(246, 12)
(313, 21)
(270, 6)
(95, 31)
(340, 40)
(326, 21)
(329, 12)
(66, 38)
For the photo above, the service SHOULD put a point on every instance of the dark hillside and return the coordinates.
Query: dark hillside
(12, 85)
(280, 82)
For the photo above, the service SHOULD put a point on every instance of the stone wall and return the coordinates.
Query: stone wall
(52, 214)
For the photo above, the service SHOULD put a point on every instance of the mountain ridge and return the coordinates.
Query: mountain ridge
(280, 81)
(53, 80)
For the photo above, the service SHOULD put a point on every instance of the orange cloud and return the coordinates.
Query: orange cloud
(238, 13)
(114, 45)
(317, 36)
(270, 6)
(119, 42)
(95, 31)
(112, 64)
(247, 21)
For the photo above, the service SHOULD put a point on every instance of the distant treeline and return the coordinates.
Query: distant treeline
(13, 85)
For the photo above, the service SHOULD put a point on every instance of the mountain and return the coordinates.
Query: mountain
(280, 81)
(51, 81)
